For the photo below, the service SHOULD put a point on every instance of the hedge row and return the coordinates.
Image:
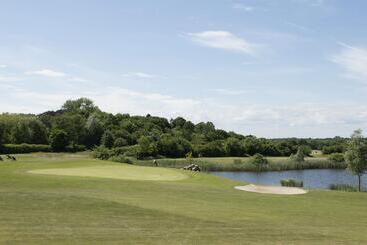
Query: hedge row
(24, 148)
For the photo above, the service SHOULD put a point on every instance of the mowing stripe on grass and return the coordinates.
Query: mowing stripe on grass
(126, 172)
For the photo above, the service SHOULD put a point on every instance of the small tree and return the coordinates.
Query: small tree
(299, 156)
(259, 161)
(356, 155)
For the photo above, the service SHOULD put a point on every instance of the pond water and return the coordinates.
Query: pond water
(312, 178)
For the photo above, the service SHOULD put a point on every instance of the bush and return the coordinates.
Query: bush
(75, 148)
(102, 153)
(121, 159)
(24, 148)
(343, 187)
(337, 157)
(291, 183)
(299, 156)
(259, 161)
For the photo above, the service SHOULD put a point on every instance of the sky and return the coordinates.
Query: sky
(270, 68)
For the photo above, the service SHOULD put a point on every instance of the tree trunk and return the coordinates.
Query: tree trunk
(359, 183)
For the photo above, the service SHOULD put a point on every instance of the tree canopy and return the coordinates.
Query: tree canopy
(84, 125)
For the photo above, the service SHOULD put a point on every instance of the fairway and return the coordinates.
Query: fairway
(122, 171)
(50, 198)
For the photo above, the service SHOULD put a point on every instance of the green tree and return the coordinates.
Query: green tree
(38, 132)
(59, 140)
(107, 139)
(82, 106)
(94, 131)
(259, 161)
(356, 155)
(299, 156)
(147, 147)
(233, 147)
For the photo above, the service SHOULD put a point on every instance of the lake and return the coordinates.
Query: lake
(312, 178)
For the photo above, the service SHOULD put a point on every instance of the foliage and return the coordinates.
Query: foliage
(299, 156)
(343, 187)
(24, 148)
(356, 155)
(59, 140)
(108, 139)
(121, 159)
(259, 161)
(86, 125)
(291, 183)
(337, 157)
(101, 152)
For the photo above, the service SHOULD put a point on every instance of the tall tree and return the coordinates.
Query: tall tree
(356, 155)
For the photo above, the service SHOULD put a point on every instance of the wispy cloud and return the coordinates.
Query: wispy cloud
(77, 79)
(226, 91)
(3, 66)
(47, 73)
(353, 60)
(142, 75)
(222, 40)
(9, 79)
(243, 7)
(297, 26)
(313, 3)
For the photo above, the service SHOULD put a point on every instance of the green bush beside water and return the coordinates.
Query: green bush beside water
(291, 183)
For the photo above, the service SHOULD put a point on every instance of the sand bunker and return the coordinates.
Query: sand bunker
(280, 190)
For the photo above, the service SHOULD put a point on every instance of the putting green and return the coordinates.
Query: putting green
(126, 172)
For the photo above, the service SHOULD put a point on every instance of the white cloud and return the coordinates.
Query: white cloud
(77, 79)
(9, 79)
(3, 66)
(222, 40)
(309, 120)
(353, 60)
(47, 73)
(243, 7)
(225, 91)
(142, 75)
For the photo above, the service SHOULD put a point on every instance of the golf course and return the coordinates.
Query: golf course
(74, 199)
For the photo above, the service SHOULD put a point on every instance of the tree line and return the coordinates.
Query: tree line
(79, 124)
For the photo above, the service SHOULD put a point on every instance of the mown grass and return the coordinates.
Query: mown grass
(201, 209)
(244, 164)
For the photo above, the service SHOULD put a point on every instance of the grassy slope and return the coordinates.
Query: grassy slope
(201, 209)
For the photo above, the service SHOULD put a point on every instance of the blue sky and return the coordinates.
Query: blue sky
(272, 68)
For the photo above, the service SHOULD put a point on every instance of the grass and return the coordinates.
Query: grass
(126, 172)
(200, 209)
(244, 163)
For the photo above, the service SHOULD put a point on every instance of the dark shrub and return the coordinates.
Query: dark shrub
(59, 140)
(291, 183)
(102, 153)
(343, 187)
(24, 148)
(121, 159)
